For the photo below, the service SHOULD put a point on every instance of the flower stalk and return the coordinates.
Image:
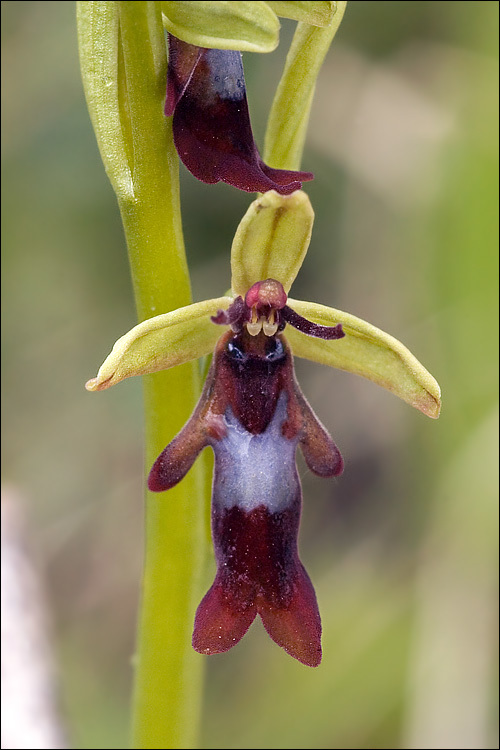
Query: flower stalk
(123, 61)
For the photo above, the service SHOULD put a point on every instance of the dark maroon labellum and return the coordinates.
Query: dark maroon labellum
(254, 415)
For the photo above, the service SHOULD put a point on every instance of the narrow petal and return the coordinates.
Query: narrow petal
(211, 122)
(246, 26)
(161, 342)
(271, 240)
(316, 13)
(327, 333)
(367, 351)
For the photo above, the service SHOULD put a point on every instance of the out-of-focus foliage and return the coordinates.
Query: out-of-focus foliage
(402, 548)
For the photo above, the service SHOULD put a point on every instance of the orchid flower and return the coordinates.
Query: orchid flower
(206, 92)
(254, 415)
(206, 95)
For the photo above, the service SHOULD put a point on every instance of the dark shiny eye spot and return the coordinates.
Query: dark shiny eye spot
(275, 350)
(235, 352)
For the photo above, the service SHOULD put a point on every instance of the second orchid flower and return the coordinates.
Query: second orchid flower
(206, 94)
(206, 91)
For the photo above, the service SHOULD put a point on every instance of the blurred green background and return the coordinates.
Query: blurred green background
(403, 547)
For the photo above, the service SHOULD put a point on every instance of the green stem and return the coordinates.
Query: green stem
(289, 116)
(123, 60)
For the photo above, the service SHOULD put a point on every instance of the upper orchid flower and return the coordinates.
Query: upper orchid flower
(206, 95)
(206, 91)
(254, 415)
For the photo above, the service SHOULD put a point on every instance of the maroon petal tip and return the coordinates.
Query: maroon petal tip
(220, 622)
(296, 627)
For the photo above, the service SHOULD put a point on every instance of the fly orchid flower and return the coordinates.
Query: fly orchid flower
(254, 415)
(206, 95)
(206, 92)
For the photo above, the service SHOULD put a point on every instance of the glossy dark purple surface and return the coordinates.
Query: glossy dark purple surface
(206, 95)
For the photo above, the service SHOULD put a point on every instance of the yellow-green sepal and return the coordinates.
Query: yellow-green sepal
(162, 342)
(271, 240)
(367, 351)
(315, 13)
(245, 26)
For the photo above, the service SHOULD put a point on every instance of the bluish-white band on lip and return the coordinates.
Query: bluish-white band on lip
(256, 470)
(228, 78)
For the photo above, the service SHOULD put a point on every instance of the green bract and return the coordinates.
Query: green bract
(289, 115)
(315, 13)
(246, 26)
(271, 242)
